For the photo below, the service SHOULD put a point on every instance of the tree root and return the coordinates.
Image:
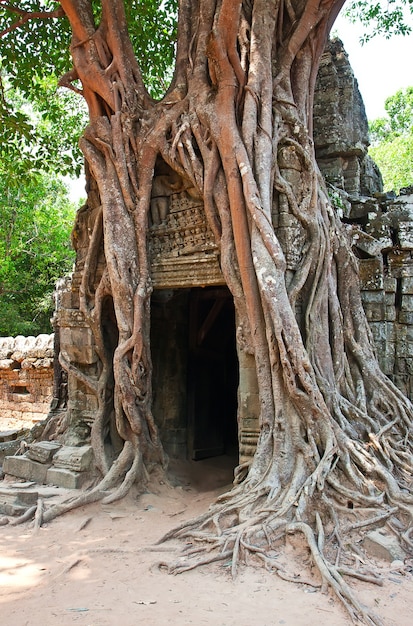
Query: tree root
(254, 521)
(129, 465)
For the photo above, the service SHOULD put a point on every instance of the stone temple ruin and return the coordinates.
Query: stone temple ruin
(26, 377)
(205, 391)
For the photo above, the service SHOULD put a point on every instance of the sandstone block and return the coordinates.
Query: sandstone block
(405, 235)
(74, 459)
(11, 508)
(23, 467)
(400, 263)
(21, 498)
(249, 404)
(383, 546)
(371, 274)
(407, 302)
(390, 313)
(66, 478)
(375, 311)
(390, 284)
(407, 285)
(248, 379)
(43, 451)
(9, 435)
(406, 317)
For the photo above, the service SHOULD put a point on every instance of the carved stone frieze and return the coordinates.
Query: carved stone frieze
(182, 247)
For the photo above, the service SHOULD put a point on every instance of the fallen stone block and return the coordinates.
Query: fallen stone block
(384, 546)
(74, 459)
(43, 451)
(9, 435)
(16, 502)
(65, 478)
(23, 467)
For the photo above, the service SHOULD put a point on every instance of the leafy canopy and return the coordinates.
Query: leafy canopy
(40, 124)
(382, 17)
(36, 218)
(398, 119)
(34, 53)
(392, 141)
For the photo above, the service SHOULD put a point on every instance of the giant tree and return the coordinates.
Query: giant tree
(334, 451)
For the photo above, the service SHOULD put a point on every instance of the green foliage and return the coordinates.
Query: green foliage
(153, 37)
(392, 141)
(398, 120)
(40, 133)
(382, 17)
(395, 160)
(39, 126)
(36, 218)
(39, 130)
(33, 58)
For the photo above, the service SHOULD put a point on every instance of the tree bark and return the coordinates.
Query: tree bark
(235, 126)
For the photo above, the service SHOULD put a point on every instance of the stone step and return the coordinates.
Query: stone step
(11, 435)
(17, 501)
(23, 467)
(50, 463)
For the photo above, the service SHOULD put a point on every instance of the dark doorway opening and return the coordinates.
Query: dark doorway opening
(110, 334)
(213, 374)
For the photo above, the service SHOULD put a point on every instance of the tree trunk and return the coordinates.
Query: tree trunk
(235, 128)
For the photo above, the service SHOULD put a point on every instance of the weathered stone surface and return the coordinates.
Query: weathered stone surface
(74, 459)
(371, 274)
(347, 130)
(76, 345)
(405, 235)
(23, 467)
(17, 497)
(43, 451)
(26, 377)
(11, 508)
(9, 435)
(66, 478)
(10, 448)
(382, 545)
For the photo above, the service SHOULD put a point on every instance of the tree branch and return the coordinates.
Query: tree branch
(26, 16)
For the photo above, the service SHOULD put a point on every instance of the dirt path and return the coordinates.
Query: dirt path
(93, 567)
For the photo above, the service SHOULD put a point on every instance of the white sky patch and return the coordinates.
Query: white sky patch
(381, 66)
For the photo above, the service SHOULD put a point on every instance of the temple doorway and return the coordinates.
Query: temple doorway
(195, 372)
(212, 374)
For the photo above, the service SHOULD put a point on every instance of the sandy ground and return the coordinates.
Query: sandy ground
(99, 566)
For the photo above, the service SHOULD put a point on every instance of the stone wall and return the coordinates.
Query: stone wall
(26, 378)
(381, 224)
(387, 285)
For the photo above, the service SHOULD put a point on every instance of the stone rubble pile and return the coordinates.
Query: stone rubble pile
(51, 463)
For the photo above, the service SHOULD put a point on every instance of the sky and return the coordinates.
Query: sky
(381, 67)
